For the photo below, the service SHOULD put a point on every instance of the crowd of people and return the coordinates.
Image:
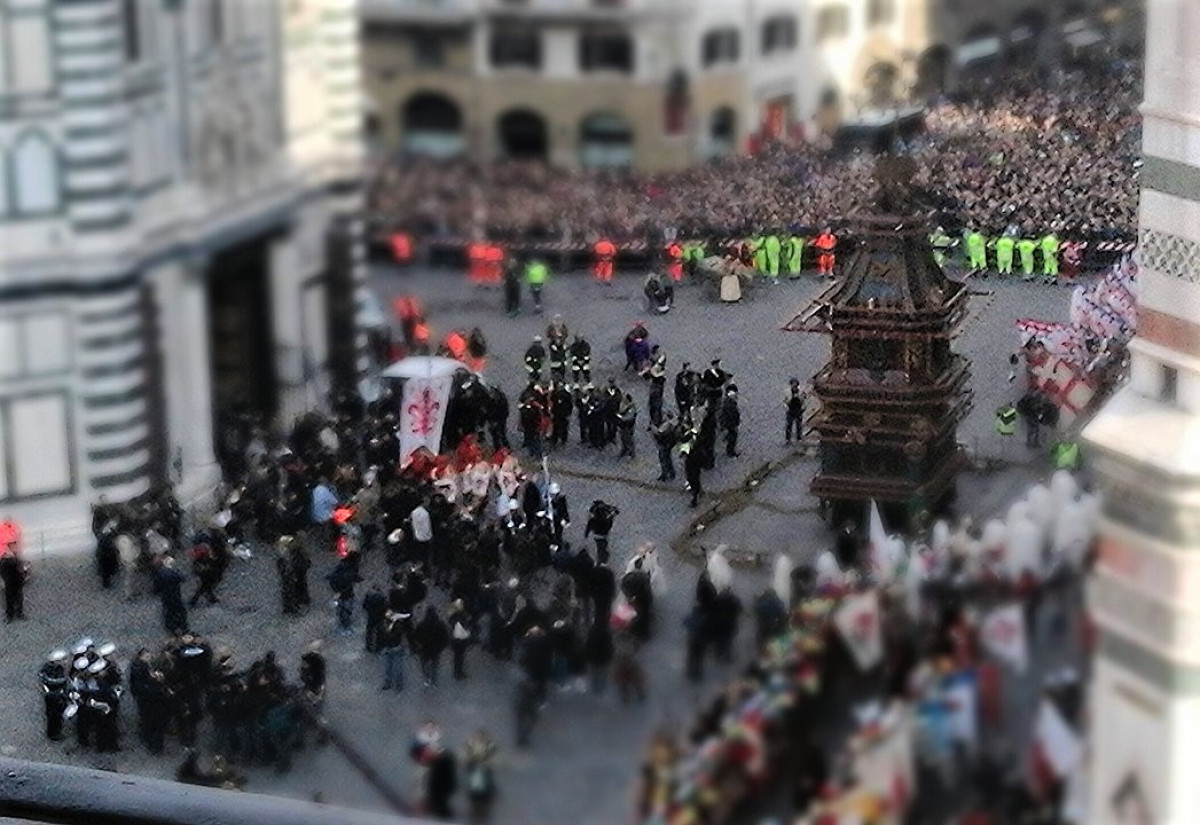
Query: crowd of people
(923, 640)
(473, 545)
(1014, 148)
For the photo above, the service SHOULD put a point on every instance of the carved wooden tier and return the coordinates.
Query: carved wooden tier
(894, 391)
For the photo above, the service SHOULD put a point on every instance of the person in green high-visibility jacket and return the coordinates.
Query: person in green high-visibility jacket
(793, 255)
(536, 273)
(942, 244)
(1049, 246)
(1005, 246)
(976, 251)
(758, 245)
(1006, 420)
(1026, 248)
(773, 246)
(693, 254)
(1066, 455)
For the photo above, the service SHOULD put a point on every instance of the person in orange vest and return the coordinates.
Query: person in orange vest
(401, 247)
(408, 311)
(476, 262)
(674, 252)
(420, 336)
(605, 252)
(825, 243)
(456, 345)
(493, 257)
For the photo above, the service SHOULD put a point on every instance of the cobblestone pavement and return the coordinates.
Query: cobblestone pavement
(583, 764)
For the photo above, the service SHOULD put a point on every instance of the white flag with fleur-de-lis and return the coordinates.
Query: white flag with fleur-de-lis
(423, 413)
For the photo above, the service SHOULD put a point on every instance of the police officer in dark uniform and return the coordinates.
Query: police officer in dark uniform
(557, 349)
(658, 383)
(713, 381)
(535, 356)
(692, 466)
(497, 417)
(107, 703)
(685, 389)
(795, 410)
(583, 404)
(53, 677)
(612, 409)
(731, 420)
(581, 360)
(560, 413)
(666, 436)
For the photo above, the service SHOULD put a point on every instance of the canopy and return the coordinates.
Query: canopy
(423, 366)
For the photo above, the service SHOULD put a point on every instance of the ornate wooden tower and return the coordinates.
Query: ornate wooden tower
(894, 391)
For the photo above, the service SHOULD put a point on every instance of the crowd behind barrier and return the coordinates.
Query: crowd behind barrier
(1019, 150)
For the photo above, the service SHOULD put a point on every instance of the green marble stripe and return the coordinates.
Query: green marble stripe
(1171, 178)
(1170, 677)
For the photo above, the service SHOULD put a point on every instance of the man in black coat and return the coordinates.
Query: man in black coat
(168, 583)
(375, 605)
(441, 781)
(13, 572)
(430, 638)
(599, 524)
(602, 588)
(731, 420)
(537, 659)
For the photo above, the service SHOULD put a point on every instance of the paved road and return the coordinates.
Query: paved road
(584, 760)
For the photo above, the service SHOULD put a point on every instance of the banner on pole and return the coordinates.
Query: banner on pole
(857, 620)
(1003, 635)
(423, 413)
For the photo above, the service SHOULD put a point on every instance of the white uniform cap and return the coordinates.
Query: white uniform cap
(58, 656)
(98, 666)
(81, 663)
(107, 649)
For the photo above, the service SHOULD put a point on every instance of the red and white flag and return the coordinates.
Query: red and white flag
(423, 414)
(858, 622)
(1056, 747)
(1002, 633)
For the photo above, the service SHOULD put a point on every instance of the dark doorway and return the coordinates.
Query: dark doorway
(523, 134)
(160, 461)
(244, 387)
(933, 67)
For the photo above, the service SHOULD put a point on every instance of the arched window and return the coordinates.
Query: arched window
(981, 45)
(833, 22)
(778, 34)
(720, 46)
(605, 142)
(432, 125)
(606, 51)
(722, 131)
(35, 175)
(932, 66)
(1027, 28)
(881, 12)
(523, 134)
